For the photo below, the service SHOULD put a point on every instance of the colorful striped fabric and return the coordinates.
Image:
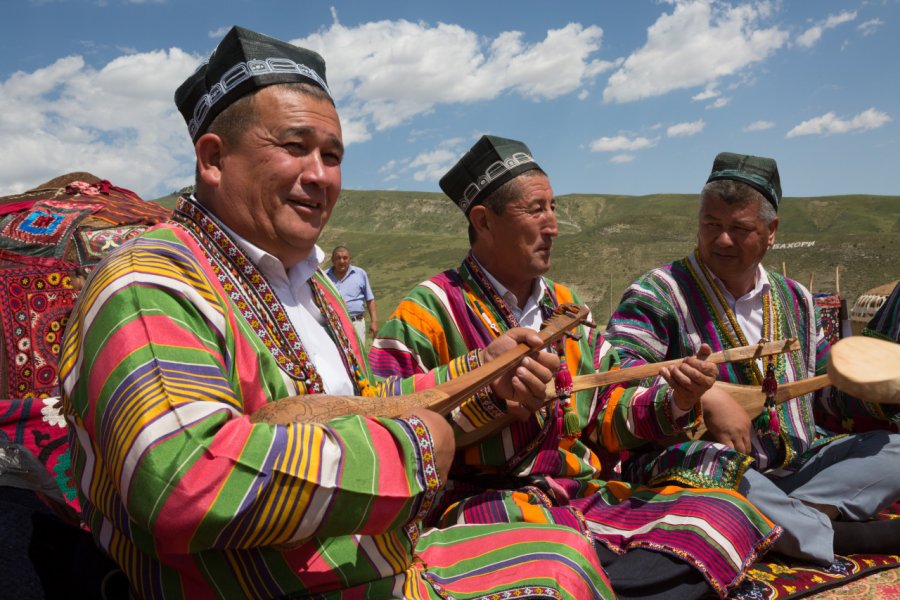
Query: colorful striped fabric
(845, 414)
(667, 314)
(532, 472)
(161, 370)
(886, 322)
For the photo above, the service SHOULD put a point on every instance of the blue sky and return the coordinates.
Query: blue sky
(612, 96)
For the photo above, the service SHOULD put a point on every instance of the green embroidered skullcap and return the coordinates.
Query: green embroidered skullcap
(490, 163)
(759, 172)
(243, 61)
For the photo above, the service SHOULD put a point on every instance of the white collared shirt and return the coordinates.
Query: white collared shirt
(529, 315)
(748, 309)
(293, 290)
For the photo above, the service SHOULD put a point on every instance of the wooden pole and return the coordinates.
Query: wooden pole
(610, 294)
(837, 279)
(784, 268)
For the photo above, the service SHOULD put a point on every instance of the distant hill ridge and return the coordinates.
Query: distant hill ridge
(606, 241)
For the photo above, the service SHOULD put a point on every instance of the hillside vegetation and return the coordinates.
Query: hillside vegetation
(605, 242)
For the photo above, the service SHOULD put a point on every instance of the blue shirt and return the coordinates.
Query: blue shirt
(354, 287)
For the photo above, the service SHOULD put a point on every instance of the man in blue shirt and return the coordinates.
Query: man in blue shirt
(353, 284)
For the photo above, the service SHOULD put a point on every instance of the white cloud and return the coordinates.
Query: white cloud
(686, 129)
(869, 27)
(218, 33)
(118, 122)
(700, 42)
(706, 94)
(389, 166)
(622, 159)
(720, 102)
(620, 143)
(830, 123)
(808, 38)
(431, 166)
(427, 166)
(391, 71)
(583, 94)
(759, 126)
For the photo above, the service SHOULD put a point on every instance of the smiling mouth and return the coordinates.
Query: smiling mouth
(311, 205)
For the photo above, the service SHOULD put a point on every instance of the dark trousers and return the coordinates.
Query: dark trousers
(649, 575)
(43, 558)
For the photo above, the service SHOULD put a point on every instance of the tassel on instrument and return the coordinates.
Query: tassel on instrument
(564, 387)
(770, 423)
(563, 382)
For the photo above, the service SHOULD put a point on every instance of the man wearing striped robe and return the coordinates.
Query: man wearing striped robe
(820, 489)
(183, 333)
(666, 542)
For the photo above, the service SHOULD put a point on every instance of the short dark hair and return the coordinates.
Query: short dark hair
(503, 195)
(736, 192)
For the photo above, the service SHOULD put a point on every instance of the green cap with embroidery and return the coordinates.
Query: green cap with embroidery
(759, 172)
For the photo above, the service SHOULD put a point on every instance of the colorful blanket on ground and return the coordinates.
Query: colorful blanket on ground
(775, 579)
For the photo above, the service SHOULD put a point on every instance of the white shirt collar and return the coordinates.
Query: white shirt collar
(529, 314)
(762, 284)
(272, 266)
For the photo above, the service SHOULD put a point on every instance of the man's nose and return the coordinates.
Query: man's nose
(551, 225)
(724, 239)
(313, 168)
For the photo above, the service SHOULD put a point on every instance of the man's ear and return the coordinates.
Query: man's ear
(773, 227)
(209, 150)
(478, 217)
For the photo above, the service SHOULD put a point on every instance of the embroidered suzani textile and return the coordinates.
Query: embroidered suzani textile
(175, 342)
(533, 471)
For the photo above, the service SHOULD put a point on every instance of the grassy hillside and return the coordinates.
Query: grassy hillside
(401, 238)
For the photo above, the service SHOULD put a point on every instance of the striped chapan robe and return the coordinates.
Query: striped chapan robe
(176, 340)
(667, 314)
(532, 471)
(843, 413)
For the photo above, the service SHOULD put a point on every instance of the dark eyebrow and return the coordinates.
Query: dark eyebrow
(306, 131)
(337, 143)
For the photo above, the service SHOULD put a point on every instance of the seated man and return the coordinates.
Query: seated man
(843, 413)
(184, 332)
(821, 490)
(547, 467)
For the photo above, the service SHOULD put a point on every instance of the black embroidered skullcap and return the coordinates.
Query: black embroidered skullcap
(759, 172)
(243, 61)
(490, 163)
